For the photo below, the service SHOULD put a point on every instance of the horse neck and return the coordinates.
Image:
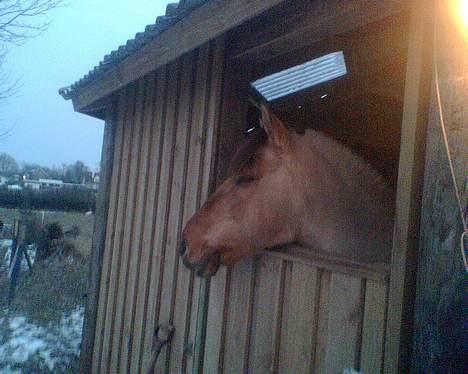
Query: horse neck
(324, 156)
(344, 197)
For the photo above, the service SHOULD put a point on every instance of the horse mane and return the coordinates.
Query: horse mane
(352, 167)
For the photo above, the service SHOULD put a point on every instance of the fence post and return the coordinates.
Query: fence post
(14, 241)
(16, 257)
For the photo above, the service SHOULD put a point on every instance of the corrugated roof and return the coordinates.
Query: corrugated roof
(300, 77)
(174, 13)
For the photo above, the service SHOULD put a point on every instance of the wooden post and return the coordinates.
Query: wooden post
(15, 238)
(16, 256)
(440, 314)
(97, 248)
(409, 190)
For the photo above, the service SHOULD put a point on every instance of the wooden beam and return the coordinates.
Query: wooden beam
(200, 26)
(439, 342)
(98, 109)
(97, 248)
(378, 272)
(409, 190)
(308, 24)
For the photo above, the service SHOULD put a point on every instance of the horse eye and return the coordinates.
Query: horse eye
(244, 180)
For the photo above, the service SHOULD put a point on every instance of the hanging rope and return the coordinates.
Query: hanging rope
(464, 235)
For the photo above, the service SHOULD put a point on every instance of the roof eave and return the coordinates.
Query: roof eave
(197, 27)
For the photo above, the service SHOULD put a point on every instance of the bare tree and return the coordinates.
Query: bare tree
(8, 164)
(19, 20)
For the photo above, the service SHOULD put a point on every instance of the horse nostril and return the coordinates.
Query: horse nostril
(182, 248)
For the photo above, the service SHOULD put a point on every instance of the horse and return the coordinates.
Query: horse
(290, 188)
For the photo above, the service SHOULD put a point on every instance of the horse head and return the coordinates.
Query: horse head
(254, 209)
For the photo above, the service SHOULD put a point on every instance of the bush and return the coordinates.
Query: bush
(68, 200)
(54, 231)
(34, 231)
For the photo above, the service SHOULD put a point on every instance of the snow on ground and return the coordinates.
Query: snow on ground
(5, 251)
(22, 341)
(6, 244)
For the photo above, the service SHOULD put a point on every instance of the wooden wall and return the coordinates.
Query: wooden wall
(282, 312)
(440, 336)
(290, 315)
(164, 142)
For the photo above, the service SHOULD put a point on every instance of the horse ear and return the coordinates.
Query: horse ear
(277, 133)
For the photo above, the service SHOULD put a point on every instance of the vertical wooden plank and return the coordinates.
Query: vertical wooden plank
(187, 286)
(194, 186)
(440, 341)
(178, 278)
(233, 119)
(299, 319)
(112, 210)
(262, 348)
(152, 131)
(162, 213)
(121, 307)
(409, 189)
(98, 244)
(373, 327)
(161, 154)
(117, 231)
(237, 323)
(139, 152)
(216, 299)
(344, 322)
(322, 323)
(216, 119)
(136, 249)
(216, 319)
(196, 335)
(216, 79)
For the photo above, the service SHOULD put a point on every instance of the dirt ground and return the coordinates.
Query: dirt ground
(40, 330)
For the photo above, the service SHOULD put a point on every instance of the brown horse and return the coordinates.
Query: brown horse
(291, 188)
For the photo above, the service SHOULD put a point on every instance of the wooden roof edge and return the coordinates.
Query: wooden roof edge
(197, 28)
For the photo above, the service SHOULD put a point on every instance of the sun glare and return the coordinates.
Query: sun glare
(463, 12)
(459, 10)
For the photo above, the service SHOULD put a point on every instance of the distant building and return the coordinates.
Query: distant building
(14, 187)
(93, 184)
(56, 184)
(76, 186)
(43, 184)
(50, 183)
(31, 184)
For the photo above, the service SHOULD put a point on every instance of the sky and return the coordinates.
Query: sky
(43, 127)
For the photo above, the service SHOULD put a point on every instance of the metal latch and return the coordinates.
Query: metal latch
(162, 336)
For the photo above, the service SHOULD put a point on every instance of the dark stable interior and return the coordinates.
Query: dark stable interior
(363, 109)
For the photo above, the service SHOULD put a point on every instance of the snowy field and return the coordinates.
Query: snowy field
(5, 246)
(51, 348)
(40, 331)
(26, 346)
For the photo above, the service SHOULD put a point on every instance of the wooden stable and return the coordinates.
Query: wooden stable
(175, 110)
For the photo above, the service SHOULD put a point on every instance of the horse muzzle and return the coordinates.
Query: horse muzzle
(206, 267)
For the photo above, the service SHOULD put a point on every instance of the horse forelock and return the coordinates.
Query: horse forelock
(247, 151)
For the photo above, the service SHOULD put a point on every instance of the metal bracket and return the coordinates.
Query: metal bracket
(162, 336)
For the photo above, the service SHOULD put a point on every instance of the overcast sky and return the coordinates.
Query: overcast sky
(44, 127)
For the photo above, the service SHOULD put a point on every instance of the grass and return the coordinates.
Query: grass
(50, 290)
(66, 219)
(55, 286)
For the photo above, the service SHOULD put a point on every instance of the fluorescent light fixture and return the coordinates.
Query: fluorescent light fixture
(300, 77)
